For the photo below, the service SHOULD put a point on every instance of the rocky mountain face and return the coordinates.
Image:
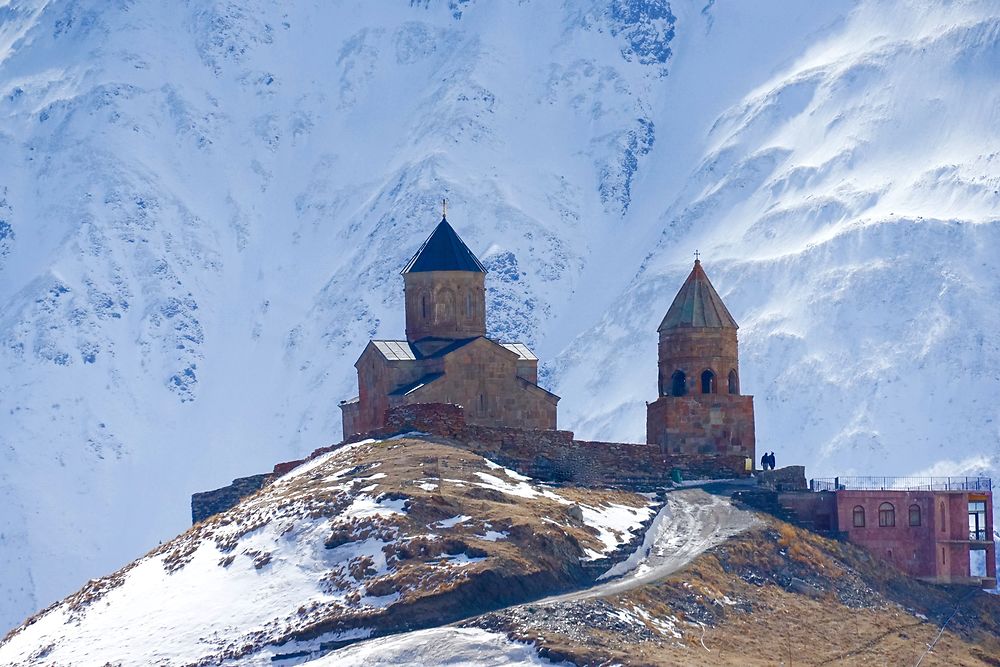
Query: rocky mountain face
(204, 206)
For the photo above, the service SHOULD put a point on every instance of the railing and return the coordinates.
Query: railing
(902, 484)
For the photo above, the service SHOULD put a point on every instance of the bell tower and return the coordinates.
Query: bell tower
(700, 409)
(444, 289)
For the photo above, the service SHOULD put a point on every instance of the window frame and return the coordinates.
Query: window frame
(886, 515)
(858, 510)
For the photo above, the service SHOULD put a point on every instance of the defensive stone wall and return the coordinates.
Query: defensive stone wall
(207, 503)
(547, 455)
(555, 456)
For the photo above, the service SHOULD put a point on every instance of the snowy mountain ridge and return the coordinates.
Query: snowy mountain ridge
(204, 207)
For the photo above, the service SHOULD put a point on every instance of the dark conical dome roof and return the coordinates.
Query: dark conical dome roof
(697, 304)
(444, 251)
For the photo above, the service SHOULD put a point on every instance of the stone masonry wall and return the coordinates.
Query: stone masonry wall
(207, 503)
(702, 424)
(555, 456)
(544, 454)
(695, 350)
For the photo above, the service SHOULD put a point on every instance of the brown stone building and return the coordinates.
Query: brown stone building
(447, 357)
(700, 409)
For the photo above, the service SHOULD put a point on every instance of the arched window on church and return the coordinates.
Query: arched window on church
(734, 382)
(469, 305)
(941, 515)
(423, 306)
(708, 382)
(914, 515)
(678, 383)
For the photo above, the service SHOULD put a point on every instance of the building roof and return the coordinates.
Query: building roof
(697, 304)
(414, 386)
(521, 350)
(428, 348)
(395, 350)
(444, 251)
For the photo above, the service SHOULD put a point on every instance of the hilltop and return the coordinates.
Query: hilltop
(372, 538)
(458, 558)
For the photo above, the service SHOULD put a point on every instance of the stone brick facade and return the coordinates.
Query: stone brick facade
(446, 357)
(445, 304)
(700, 410)
(702, 424)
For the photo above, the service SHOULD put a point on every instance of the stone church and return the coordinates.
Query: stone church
(700, 409)
(447, 357)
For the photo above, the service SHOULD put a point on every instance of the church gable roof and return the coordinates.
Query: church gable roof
(444, 250)
(698, 305)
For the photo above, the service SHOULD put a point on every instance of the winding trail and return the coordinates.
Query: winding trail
(691, 522)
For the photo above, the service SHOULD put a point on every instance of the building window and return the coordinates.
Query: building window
(914, 515)
(859, 517)
(977, 520)
(942, 555)
(469, 305)
(942, 515)
(678, 383)
(708, 382)
(734, 382)
(886, 515)
(423, 306)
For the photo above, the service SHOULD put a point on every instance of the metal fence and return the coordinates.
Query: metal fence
(902, 484)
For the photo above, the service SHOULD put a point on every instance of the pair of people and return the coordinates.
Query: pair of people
(767, 461)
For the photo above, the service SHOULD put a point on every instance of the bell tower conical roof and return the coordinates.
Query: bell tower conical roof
(697, 305)
(444, 250)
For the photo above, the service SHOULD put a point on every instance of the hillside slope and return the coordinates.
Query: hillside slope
(460, 561)
(372, 538)
(203, 207)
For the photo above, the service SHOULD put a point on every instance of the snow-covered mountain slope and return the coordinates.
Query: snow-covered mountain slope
(371, 538)
(204, 205)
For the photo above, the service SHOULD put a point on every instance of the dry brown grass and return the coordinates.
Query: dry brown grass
(778, 595)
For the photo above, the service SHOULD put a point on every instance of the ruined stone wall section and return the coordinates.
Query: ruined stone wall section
(204, 505)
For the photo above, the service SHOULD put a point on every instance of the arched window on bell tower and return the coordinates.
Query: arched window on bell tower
(678, 383)
(708, 382)
(734, 382)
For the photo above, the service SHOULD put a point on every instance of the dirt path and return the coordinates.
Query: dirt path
(691, 522)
